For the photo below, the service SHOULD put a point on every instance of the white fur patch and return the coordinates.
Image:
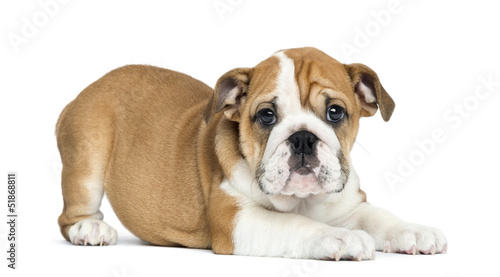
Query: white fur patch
(300, 232)
(286, 86)
(391, 234)
(92, 232)
(260, 232)
(320, 226)
(325, 178)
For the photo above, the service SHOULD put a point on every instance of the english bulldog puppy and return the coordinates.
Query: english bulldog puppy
(259, 166)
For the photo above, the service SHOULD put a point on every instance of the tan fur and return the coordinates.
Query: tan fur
(139, 129)
(155, 142)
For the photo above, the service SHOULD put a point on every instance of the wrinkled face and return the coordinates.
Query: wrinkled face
(297, 135)
(298, 115)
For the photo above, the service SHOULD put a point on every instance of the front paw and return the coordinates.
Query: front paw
(414, 239)
(338, 243)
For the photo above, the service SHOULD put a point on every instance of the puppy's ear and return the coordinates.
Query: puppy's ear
(370, 91)
(230, 93)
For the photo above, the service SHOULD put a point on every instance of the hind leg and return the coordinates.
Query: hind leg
(84, 145)
(81, 220)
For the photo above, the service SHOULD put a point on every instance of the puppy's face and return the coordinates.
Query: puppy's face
(298, 115)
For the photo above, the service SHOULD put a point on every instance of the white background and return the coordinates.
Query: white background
(430, 57)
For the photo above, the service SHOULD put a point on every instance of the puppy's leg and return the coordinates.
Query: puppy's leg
(261, 232)
(81, 220)
(83, 147)
(392, 234)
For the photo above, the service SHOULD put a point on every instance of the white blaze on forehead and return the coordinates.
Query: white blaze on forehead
(288, 101)
(287, 88)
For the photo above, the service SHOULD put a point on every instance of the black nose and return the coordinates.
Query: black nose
(303, 142)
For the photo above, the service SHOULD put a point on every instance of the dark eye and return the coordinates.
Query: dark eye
(335, 113)
(266, 116)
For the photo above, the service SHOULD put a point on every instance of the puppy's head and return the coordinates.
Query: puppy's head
(298, 116)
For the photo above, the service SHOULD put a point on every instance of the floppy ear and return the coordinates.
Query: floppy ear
(370, 91)
(230, 93)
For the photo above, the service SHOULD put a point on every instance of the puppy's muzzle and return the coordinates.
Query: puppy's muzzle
(302, 165)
